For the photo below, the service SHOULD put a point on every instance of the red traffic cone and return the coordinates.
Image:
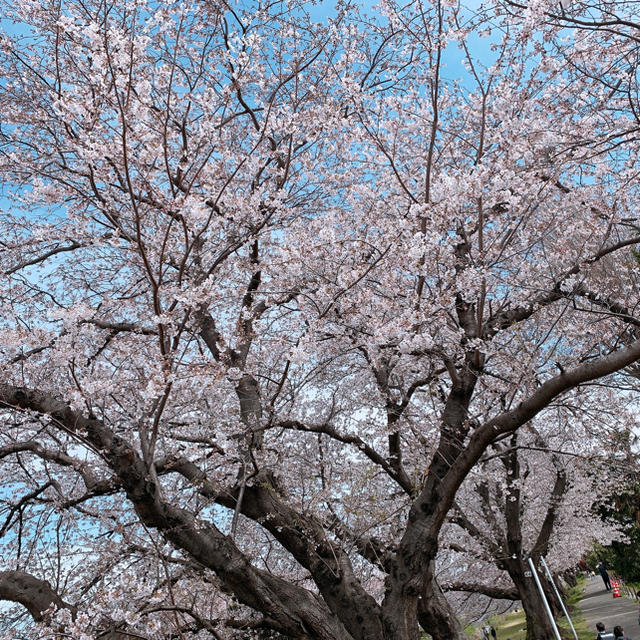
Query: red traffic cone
(615, 587)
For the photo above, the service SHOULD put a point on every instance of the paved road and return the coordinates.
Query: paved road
(599, 605)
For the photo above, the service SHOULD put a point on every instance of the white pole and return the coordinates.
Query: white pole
(544, 599)
(553, 584)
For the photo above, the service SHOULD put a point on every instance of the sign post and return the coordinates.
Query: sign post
(544, 600)
(553, 584)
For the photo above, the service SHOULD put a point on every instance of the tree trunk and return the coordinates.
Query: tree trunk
(435, 614)
(569, 576)
(539, 626)
(552, 598)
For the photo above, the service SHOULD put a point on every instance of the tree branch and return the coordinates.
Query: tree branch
(41, 258)
(492, 591)
(36, 595)
(401, 478)
(504, 319)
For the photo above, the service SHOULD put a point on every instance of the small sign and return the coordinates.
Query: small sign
(527, 574)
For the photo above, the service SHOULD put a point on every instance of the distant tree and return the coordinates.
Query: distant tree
(623, 507)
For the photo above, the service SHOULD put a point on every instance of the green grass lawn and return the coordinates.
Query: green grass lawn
(510, 625)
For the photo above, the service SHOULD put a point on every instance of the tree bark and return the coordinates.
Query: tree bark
(435, 613)
(36, 595)
(539, 626)
(516, 564)
(569, 576)
(41, 600)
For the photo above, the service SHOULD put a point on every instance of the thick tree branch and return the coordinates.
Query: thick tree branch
(368, 547)
(492, 591)
(41, 600)
(304, 537)
(503, 319)
(36, 595)
(475, 532)
(118, 327)
(428, 511)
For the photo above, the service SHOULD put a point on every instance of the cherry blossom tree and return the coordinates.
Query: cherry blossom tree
(272, 285)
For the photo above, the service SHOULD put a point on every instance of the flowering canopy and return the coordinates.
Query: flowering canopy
(271, 288)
